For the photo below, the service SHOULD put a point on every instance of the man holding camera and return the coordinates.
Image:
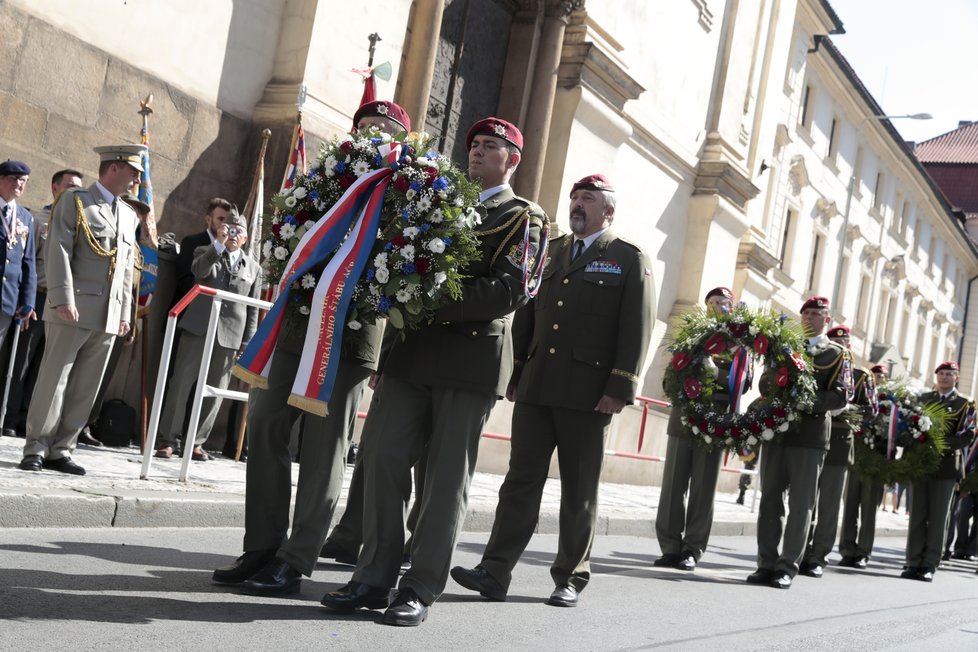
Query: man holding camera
(225, 266)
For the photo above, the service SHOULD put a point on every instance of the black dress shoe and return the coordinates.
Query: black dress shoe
(85, 437)
(277, 578)
(407, 610)
(667, 561)
(243, 567)
(687, 563)
(810, 570)
(9, 432)
(355, 595)
(332, 550)
(781, 580)
(479, 579)
(910, 573)
(964, 556)
(564, 595)
(64, 465)
(848, 562)
(406, 562)
(861, 562)
(761, 576)
(32, 463)
(926, 575)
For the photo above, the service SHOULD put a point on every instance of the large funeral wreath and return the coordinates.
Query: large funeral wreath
(702, 339)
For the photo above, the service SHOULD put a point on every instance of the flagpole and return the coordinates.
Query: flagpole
(250, 208)
(145, 111)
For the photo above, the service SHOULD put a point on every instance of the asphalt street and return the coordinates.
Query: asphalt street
(149, 589)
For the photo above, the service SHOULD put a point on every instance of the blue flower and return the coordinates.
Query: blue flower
(376, 141)
(313, 195)
(417, 186)
(440, 183)
(431, 155)
(341, 167)
(383, 305)
(378, 161)
(290, 219)
(370, 274)
(447, 240)
(406, 214)
(388, 247)
(408, 268)
(425, 227)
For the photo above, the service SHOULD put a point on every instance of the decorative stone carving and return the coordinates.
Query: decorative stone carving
(562, 8)
(798, 173)
(826, 208)
(724, 179)
(871, 252)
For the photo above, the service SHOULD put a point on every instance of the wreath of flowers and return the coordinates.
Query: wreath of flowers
(691, 378)
(920, 438)
(427, 230)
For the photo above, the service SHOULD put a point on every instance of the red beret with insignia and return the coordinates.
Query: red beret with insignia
(950, 365)
(879, 369)
(495, 127)
(593, 182)
(839, 330)
(719, 292)
(383, 109)
(815, 303)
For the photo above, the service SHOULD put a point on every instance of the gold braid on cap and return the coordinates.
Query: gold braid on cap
(82, 225)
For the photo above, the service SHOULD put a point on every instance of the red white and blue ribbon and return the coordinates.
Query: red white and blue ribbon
(735, 381)
(891, 431)
(970, 457)
(344, 237)
(528, 261)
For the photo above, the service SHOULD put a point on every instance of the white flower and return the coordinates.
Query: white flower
(924, 424)
(410, 194)
(309, 224)
(380, 260)
(436, 216)
(329, 166)
(308, 281)
(314, 165)
(767, 434)
(304, 310)
(706, 438)
(354, 325)
(436, 246)
(299, 192)
(411, 232)
(360, 168)
(290, 201)
(403, 295)
(281, 253)
(728, 441)
(319, 204)
(752, 440)
(696, 430)
(287, 231)
(783, 427)
(408, 252)
(266, 249)
(459, 201)
(424, 203)
(472, 218)
(440, 277)
(382, 275)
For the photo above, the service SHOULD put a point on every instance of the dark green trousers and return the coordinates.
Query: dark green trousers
(859, 517)
(825, 525)
(683, 526)
(930, 507)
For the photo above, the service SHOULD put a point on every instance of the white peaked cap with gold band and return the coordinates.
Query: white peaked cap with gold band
(131, 154)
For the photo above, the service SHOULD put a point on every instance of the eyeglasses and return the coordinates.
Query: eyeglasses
(17, 179)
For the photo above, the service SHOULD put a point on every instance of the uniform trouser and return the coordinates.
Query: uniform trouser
(73, 364)
(825, 525)
(682, 526)
(411, 422)
(118, 346)
(859, 517)
(185, 372)
(967, 525)
(579, 438)
(321, 463)
(951, 521)
(27, 363)
(930, 505)
(793, 469)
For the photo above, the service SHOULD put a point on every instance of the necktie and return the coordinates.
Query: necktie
(578, 250)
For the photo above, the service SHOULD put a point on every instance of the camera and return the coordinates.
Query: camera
(234, 231)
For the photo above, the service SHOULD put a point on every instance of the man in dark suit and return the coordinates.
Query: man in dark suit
(17, 237)
(930, 498)
(580, 349)
(218, 212)
(438, 386)
(793, 464)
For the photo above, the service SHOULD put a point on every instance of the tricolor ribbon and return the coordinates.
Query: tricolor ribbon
(735, 379)
(891, 431)
(970, 456)
(527, 261)
(344, 237)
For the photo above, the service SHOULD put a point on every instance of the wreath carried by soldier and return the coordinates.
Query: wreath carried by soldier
(738, 338)
(905, 441)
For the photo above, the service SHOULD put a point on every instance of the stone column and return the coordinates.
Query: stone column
(418, 70)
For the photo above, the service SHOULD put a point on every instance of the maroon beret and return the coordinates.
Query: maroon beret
(593, 182)
(815, 303)
(495, 127)
(880, 369)
(839, 330)
(950, 365)
(719, 292)
(383, 109)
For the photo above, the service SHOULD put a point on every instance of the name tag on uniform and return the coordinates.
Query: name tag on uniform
(603, 267)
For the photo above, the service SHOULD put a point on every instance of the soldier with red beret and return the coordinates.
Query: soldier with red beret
(793, 465)
(386, 116)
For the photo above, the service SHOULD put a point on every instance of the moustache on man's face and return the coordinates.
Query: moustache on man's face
(578, 212)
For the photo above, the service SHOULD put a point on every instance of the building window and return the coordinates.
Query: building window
(857, 172)
(878, 192)
(816, 262)
(945, 271)
(806, 106)
(904, 218)
(787, 238)
(918, 350)
(844, 276)
(935, 343)
(932, 257)
(862, 302)
(905, 327)
(891, 309)
(833, 139)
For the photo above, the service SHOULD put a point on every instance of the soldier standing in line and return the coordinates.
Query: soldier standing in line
(596, 297)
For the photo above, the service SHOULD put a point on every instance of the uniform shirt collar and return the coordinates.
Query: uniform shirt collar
(235, 256)
(950, 394)
(588, 241)
(12, 203)
(815, 341)
(488, 193)
(109, 197)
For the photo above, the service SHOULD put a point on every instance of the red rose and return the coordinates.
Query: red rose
(780, 412)
(798, 360)
(704, 424)
(716, 344)
(346, 180)
(422, 265)
(915, 418)
(302, 216)
(720, 431)
(770, 423)
(432, 174)
(402, 184)
(276, 229)
(738, 329)
(736, 432)
(680, 360)
(760, 344)
(782, 378)
(755, 428)
(692, 387)
(346, 146)
(399, 241)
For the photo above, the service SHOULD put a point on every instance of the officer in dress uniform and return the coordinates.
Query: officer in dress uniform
(90, 268)
(863, 496)
(684, 530)
(17, 236)
(832, 479)
(793, 464)
(579, 347)
(930, 498)
(439, 384)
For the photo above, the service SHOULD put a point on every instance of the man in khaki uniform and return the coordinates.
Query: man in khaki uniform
(930, 498)
(793, 464)
(684, 530)
(439, 384)
(90, 267)
(580, 347)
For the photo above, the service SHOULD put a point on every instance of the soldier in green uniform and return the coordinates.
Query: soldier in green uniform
(580, 347)
(832, 479)
(684, 529)
(863, 496)
(439, 384)
(930, 499)
(793, 464)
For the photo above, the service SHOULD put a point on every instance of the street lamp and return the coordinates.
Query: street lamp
(852, 186)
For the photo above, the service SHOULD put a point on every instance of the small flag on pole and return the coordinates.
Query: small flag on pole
(297, 155)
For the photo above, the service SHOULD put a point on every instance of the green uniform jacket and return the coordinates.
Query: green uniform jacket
(587, 332)
(840, 447)
(958, 408)
(470, 345)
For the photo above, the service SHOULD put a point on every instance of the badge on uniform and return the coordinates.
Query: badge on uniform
(603, 267)
(515, 255)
